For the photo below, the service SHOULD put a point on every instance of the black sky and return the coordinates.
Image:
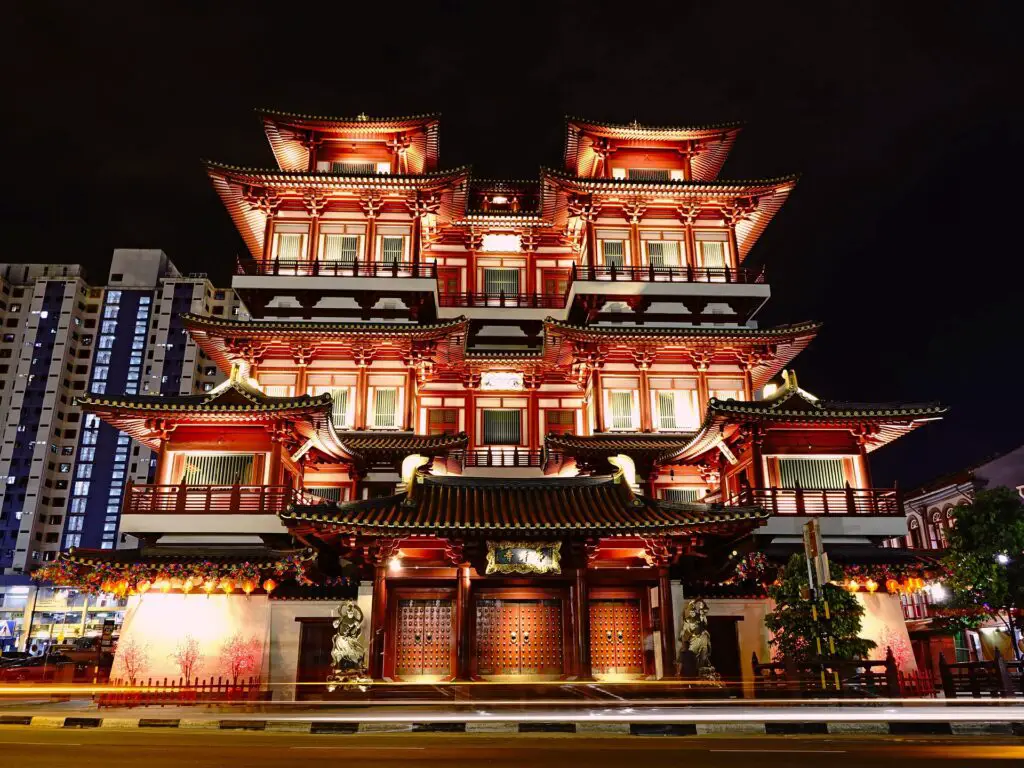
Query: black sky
(905, 120)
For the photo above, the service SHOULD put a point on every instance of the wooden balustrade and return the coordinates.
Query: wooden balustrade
(502, 299)
(221, 499)
(667, 274)
(502, 457)
(829, 677)
(816, 502)
(354, 268)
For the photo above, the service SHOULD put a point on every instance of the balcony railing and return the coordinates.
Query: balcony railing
(838, 501)
(502, 299)
(355, 268)
(684, 274)
(221, 499)
(502, 457)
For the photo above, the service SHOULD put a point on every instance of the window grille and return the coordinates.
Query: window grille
(560, 421)
(667, 411)
(682, 495)
(614, 253)
(712, 253)
(353, 168)
(648, 174)
(662, 253)
(392, 248)
(339, 408)
(289, 246)
(812, 474)
(330, 493)
(622, 409)
(341, 248)
(497, 280)
(385, 407)
(502, 427)
(234, 469)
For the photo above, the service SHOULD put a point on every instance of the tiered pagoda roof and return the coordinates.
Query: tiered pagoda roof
(478, 507)
(289, 134)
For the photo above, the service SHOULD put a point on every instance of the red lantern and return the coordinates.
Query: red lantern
(269, 586)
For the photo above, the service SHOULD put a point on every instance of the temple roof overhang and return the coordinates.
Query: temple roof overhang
(290, 135)
(709, 144)
(374, 448)
(644, 448)
(230, 340)
(794, 408)
(252, 195)
(749, 205)
(463, 508)
(151, 419)
(766, 351)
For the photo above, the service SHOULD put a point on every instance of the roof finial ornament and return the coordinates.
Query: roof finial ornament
(635, 123)
(362, 117)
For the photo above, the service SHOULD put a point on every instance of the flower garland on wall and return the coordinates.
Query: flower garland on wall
(205, 577)
(894, 579)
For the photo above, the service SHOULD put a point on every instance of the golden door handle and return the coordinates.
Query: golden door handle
(417, 637)
(512, 636)
(430, 637)
(620, 635)
(526, 636)
(608, 634)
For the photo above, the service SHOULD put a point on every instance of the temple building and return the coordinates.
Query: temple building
(520, 423)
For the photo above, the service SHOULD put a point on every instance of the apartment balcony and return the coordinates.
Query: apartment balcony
(370, 289)
(856, 514)
(205, 509)
(691, 294)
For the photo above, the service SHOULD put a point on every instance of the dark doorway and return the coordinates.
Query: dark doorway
(315, 640)
(725, 650)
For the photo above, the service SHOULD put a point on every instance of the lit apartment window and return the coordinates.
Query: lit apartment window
(502, 427)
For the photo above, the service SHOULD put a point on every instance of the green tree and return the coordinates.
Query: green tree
(794, 629)
(985, 557)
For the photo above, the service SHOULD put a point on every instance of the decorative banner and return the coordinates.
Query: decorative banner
(501, 381)
(523, 557)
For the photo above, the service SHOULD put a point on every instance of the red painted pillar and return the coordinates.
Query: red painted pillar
(581, 624)
(378, 617)
(668, 628)
(462, 622)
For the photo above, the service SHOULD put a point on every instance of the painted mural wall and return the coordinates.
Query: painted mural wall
(178, 636)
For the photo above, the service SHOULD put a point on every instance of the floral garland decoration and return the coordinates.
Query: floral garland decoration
(206, 576)
(752, 568)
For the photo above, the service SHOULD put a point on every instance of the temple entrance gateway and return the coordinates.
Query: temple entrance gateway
(519, 638)
(616, 638)
(424, 642)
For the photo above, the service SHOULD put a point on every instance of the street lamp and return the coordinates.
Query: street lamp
(1002, 558)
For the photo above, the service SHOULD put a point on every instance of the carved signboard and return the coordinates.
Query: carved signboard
(523, 557)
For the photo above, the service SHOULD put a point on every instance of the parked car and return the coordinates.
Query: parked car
(38, 669)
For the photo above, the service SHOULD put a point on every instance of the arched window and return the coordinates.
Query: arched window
(950, 519)
(914, 535)
(937, 530)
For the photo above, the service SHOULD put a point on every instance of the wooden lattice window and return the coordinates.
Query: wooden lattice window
(442, 421)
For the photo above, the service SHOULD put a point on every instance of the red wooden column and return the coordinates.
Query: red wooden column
(378, 617)
(668, 625)
(756, 451)
(462, 623)
(581, 622)
(597, 396)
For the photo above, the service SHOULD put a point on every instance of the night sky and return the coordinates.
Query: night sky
(905, 120)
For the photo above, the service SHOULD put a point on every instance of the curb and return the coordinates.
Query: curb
(583, 728)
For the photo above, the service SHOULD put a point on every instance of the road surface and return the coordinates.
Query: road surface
(167, 749)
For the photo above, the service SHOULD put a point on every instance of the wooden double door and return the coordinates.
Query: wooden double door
(424, 637)
(616, 636)
(519, 637)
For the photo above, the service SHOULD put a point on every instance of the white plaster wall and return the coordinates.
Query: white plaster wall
(283, 649)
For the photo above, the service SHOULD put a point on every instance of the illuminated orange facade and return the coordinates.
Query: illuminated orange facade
(443, 371)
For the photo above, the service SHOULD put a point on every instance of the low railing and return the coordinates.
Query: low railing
(837, 501)
(830, 677)
(998, 678)
(137, 693)
(501, 457)
(354, 268)
(224, 499)
(502, 299)
(682, 274)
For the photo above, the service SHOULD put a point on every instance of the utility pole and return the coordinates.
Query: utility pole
(817, 577)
